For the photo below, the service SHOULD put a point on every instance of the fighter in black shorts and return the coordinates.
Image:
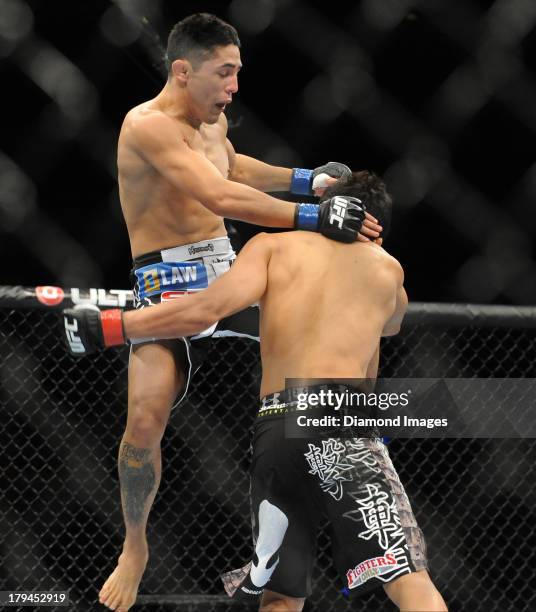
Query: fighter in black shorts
(295, 482)
(324, 307)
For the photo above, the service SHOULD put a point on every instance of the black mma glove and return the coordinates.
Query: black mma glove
(302, 181)
(339, 218)
(87, 329)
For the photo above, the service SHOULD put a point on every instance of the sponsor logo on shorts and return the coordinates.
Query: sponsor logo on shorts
(370, 568)
(271, 401)
(271, 405)
(49, 296)
(181, 276)
(202, 249)
(166, 296)
(277, 408)
(377, 512)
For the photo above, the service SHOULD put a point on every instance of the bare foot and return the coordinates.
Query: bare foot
(120, 590)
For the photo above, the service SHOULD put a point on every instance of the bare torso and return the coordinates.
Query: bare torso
(324, 309)
(157, 214)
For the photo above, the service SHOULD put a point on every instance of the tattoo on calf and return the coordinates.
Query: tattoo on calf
(138, 479)
(132, 452)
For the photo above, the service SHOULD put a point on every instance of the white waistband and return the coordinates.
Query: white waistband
(205, 248)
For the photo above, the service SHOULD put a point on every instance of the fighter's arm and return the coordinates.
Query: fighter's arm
(159, 140)
(250, 171)
(264, 177)
(392, 327)
(243, 285)
(88, 329)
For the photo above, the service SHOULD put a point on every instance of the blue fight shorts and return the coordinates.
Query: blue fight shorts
(169, 274)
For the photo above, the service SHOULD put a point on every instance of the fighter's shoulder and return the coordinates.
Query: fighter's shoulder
(260, 247)
(289, 243)
(262, 240)
(270, 242)
(392, 264)
(145, 123)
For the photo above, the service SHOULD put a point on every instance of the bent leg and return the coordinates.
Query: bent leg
(155, 377)
(415, 592)
(275, 602)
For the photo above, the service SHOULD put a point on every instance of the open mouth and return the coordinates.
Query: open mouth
(221, 105)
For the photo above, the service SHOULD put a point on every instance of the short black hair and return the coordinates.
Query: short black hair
(370, 189)
(195, 38)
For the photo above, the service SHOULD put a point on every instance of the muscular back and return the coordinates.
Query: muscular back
(158, 213)
(324, 308)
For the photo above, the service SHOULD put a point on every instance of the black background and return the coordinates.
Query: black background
(466, 236)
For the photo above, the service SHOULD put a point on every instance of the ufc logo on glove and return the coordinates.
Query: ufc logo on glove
(339, 206)
(75, 344)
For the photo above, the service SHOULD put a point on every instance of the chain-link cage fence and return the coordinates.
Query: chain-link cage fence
(62, 419)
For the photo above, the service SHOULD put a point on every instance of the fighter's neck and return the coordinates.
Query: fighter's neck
(173, 101)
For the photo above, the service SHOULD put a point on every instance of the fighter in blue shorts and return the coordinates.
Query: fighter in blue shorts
(172, 273)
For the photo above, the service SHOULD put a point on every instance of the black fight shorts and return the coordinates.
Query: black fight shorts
(295, 482)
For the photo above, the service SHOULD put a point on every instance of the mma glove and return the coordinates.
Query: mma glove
(303, 180)
(339, 218)
(88, 329)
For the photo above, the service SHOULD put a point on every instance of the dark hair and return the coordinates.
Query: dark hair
(195, 38)
(370, 189)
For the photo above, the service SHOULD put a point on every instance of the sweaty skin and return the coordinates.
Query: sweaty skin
(324, 305)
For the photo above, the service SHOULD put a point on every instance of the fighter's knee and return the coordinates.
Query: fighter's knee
(147, 419)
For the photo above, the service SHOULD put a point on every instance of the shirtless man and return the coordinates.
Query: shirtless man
(174, 160)
(324, 306)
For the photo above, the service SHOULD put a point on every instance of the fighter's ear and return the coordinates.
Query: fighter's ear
(181, 69)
